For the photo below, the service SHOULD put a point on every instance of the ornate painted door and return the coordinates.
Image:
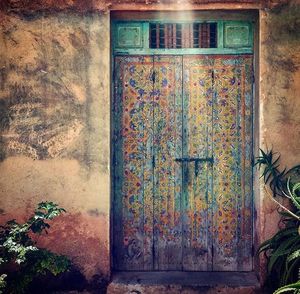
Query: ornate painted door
(182, 163)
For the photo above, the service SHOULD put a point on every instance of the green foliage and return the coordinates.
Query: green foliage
(282, 252)
(2, 278)
(291, 288)
(283, 249)
(17, 248)
(294, 193)
(2, 283)
(271, 175)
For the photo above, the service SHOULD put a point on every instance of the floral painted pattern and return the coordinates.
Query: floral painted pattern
(232, 147)
(133, 109)
(172, 215)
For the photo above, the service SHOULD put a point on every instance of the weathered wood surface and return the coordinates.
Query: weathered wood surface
(232, 175)
(167, 121)
(197, 137)
(133, 170)
(189, 215)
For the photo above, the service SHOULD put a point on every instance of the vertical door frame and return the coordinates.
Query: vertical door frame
(224, 15)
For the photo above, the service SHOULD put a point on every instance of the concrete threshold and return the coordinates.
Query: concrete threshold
(184, 283)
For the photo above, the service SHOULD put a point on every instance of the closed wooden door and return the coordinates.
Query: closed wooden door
(182, 150)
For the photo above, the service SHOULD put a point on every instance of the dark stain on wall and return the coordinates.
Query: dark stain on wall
(283, 41)
(286, 111)
(26, 6)
(30, 128)
(4, 115)
(72, 281)
(95, 213)
(38, 5)
(45, 95)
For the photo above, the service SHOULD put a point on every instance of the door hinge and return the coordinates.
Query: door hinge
(253, 161)
(153, 160)
(114, 73)
(253, 75)
(153, 77)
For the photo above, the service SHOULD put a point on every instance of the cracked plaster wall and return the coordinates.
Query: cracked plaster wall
(54, 120)
(279, 98)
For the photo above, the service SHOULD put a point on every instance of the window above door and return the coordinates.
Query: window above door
(178, 37)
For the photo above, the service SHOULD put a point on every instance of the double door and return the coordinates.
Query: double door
(182, 172)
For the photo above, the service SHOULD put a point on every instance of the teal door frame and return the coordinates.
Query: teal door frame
(201, 51)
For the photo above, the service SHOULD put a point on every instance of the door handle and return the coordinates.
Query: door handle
(196, 160)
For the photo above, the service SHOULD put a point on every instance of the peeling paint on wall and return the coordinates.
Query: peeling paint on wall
(55, 115)
(280, 80)
(35, 129)
(45, 89)
(54, 129)
(28, 6)
(279, 103)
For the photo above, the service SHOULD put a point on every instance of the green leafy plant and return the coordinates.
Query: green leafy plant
(2, 283)
(271, 174)
(19, 251)
(291, 288)
(283, 249)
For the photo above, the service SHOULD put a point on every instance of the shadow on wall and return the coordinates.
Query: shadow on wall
(73, 280)
(74, 236)
(32, 129)
(280, 82)
(283, 40)
(45, 95)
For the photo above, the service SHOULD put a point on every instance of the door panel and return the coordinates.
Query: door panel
(232, 177)
(197, 130)
(182, 163)
(133, 137)
(167, 172)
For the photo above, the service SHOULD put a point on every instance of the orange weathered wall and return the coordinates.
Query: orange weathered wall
(278, 107)
(54, 117)
(279, 97)
(55, 121)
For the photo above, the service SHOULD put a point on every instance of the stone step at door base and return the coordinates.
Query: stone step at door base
(184, 283)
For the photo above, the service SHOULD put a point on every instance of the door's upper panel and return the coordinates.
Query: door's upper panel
(182, 37)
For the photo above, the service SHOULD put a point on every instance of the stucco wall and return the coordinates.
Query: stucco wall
(279, 99)
(54, 119)
(279, 103)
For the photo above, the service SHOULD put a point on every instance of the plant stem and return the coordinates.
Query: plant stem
(282, 206)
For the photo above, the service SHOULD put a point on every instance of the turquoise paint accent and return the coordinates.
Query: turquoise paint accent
(238, 34)
(146, 28)
(220, 35)
(206, 51)
(129, 35)
(234, 37)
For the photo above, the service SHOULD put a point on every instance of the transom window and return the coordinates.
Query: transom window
(183, 35)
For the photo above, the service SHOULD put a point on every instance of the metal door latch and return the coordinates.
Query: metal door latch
(197, 160)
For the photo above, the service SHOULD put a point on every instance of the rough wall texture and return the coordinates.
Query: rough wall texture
(54, 120)
(279, 101)
(101, 5)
